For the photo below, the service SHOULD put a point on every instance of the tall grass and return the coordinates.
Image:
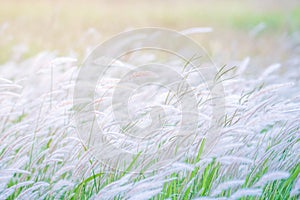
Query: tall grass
(256, 157)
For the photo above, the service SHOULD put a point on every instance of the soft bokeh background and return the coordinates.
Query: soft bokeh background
(265, 29)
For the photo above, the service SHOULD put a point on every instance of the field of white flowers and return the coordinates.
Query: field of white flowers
(256, 154)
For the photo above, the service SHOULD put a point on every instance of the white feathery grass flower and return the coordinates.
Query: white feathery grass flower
(245, 193)
(272, 176)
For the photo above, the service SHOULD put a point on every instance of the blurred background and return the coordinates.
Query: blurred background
(265, 30)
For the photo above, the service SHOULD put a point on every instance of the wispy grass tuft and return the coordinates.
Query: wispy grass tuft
(255, 157)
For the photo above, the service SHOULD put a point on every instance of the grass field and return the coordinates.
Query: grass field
(250, 150)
